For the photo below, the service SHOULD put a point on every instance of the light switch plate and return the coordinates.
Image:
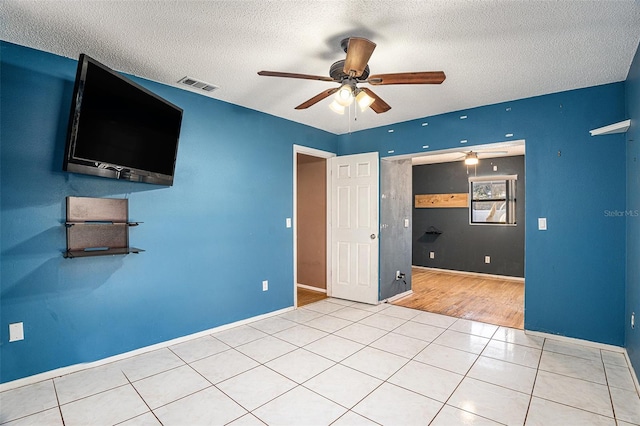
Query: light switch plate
(16, 332)
(542, 223)
(288, 221)
(406, 223)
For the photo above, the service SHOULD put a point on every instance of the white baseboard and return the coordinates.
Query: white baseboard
(398, 296)
(473, 274)
(78, 367)
(575, 341)
(312, 288)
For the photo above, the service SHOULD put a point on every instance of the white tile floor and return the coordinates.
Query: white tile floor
(342, 363)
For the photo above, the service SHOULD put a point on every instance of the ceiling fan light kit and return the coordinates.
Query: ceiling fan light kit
(353, 70)
(344, 96)
(471, 159)
(336, 107)
(364, 101)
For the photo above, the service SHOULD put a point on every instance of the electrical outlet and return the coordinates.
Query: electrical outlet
(432, 255)
(16, 332)
(265, 285)
(487, 259)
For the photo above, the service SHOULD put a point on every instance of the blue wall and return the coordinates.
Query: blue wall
(574, 271)
(220, 230)
(633, 206)
(210, 239)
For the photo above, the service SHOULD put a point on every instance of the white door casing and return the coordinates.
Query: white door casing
(299, 149)
(354, 227)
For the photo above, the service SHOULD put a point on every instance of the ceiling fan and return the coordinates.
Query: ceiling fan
(471, 157)
(353, 70)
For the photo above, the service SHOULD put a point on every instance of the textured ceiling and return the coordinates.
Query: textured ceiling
(491, 51)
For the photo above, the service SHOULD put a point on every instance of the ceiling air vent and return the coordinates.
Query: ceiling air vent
(198, 84)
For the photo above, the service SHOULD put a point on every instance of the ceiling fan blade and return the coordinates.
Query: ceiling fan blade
(491, 152)
(358, 53)
(378, 105)
(294, 75)
(317, 98)
(427, 77)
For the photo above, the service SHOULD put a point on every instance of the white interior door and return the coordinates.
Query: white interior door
(354, 227)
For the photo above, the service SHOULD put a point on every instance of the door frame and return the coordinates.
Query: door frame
(299, 149)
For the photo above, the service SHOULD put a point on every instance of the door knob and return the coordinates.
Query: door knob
(373, 236)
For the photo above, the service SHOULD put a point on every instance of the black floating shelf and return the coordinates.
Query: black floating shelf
(433, 231)
(70, 254)
(98, 227)
(100, 222)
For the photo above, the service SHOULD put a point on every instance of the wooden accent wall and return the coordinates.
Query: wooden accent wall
(312, 221)
(442, 200)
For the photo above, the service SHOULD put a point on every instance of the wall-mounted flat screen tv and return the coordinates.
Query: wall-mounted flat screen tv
(120, 130)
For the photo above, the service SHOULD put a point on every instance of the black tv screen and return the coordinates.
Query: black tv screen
(118, 129)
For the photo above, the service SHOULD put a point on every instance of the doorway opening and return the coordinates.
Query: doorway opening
(460, 267)
(310, 233)
(343, 233)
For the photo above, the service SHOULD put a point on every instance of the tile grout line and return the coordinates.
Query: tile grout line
(55, 390)
(143, 400)
(263, 364)
(534, 380)
(190, 394)
(606, 378)
(349, 409)
(466, 375)
(335, 363)
(575, 378)
(387, 379)
(209, 381)
(459, 383)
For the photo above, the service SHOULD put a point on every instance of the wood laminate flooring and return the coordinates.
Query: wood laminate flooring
(473, 297)
(306, 297)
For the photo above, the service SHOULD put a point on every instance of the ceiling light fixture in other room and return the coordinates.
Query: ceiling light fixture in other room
(471, 159)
